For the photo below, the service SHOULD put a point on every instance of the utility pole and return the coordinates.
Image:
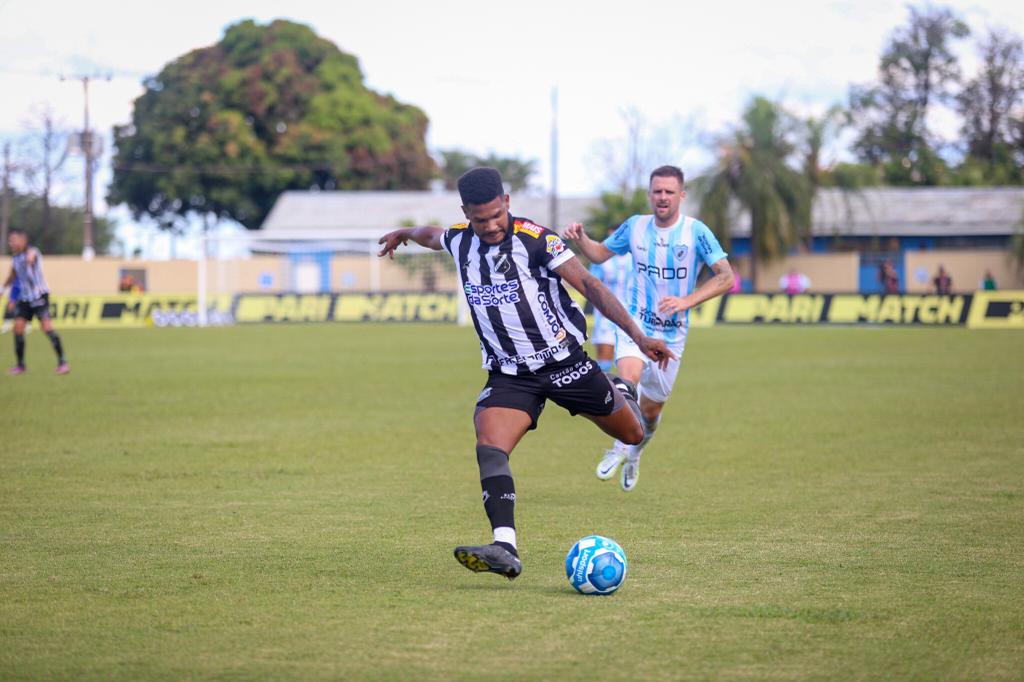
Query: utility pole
(554, 159)
(86, 141)
(5, 200)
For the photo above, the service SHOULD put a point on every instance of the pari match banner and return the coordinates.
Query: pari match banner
(156, 310)
(981, 310)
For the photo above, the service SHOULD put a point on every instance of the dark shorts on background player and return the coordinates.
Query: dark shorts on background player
(577, 384)
(38, 308)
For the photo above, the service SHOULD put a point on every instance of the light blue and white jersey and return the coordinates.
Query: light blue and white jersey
(615, 273)
(666, 262)
(30, 277)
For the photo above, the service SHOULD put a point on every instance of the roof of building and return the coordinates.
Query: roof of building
(883, 211)
(927, 211)
(380, 211)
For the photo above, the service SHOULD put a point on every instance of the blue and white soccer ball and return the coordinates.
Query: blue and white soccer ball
(596, 565)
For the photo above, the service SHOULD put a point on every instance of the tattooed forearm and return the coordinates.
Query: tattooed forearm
(605, 301)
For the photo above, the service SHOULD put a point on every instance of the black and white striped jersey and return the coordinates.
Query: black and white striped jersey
(522, 312)
(31, 283)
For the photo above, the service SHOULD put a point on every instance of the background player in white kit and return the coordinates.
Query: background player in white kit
(615, 274)
(668, 250)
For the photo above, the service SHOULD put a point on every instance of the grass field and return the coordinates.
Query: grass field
(281, 502)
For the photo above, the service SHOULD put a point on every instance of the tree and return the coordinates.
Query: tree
(44, 151)
(917, 70)
(818, 131)
(64, 233)
(516, 173)
(626, 162)
(223, 130)
(615, 208)
(990, 105)
(753, 170)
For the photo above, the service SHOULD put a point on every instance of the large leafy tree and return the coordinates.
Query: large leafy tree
(755, 171)
(917, 70)
(223, 130)
(992, 108)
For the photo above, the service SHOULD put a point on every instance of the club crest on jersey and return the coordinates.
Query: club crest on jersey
(527, 227)
(555, 245)
(681, 251)
(502, 263)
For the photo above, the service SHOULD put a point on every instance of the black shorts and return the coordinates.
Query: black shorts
(38, 308)
(577, 384)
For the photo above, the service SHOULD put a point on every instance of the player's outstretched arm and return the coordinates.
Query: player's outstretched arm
(716, 285)
(429, 237)
(604, 300)
(596, 252)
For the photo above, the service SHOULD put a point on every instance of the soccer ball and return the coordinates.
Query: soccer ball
(596, 565)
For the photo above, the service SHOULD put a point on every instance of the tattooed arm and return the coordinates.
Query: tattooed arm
(604, 300)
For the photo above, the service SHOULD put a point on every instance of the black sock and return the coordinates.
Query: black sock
(55, 340)
(499, 491)
(19, 349)
(500, 501)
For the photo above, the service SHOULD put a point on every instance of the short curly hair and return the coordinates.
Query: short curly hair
(480, 185)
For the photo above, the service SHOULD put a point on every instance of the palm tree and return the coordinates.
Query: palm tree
(753, 170)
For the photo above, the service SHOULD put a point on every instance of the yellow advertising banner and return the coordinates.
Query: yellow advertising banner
(997, 310)
(981, 310)
(134, 310)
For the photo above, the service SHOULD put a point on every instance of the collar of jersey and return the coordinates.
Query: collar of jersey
(670, 227)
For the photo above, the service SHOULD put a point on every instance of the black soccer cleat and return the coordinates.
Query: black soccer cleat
(493, 558)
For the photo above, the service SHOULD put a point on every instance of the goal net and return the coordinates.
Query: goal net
(323, 276)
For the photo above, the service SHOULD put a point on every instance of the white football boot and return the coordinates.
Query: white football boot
(630, 472)
(609, 463)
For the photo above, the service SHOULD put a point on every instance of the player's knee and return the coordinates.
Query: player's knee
(493, 461)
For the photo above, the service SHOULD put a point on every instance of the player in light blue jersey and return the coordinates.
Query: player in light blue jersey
(667, 250)
(615, 274)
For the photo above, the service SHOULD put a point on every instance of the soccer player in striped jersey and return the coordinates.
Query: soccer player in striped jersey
(614, 274)
(668, 250)
(33, 299)
(531, 333)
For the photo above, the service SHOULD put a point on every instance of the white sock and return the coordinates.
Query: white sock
(505, 534)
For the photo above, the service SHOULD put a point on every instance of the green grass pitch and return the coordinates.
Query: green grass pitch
(281, 502)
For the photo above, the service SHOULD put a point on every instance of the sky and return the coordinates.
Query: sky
(484, 72)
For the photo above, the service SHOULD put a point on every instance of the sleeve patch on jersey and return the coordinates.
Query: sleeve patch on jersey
(459, 226)
(705, 245)
(555, 245)
(529, 228)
